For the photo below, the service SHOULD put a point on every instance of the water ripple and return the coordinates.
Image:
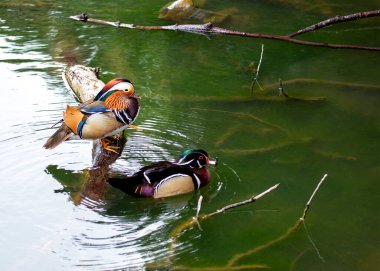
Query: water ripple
(113, 233)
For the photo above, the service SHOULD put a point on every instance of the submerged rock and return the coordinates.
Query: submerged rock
(181, 11)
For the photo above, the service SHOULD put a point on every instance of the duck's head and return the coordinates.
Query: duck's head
(117, 84)
(195, 159)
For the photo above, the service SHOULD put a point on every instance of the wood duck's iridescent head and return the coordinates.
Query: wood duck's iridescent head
(117, 84)
(195, 159)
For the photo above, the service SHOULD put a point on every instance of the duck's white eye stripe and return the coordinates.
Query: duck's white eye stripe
(121, 86)
(182, 164)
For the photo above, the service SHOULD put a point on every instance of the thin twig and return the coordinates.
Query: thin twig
(196, 218)
(191, 222)
(237, 204)
(335, 155)
(284, 236)
(313, 243)
(282, 93)
(335, 20)
(240, 256)
(209, 28)
(311, 197)
(297, 258)
(228, 134)
(246, 115)
(281, 89)
(258, 69)
(256, 151)
(199, 206)
(324, 82)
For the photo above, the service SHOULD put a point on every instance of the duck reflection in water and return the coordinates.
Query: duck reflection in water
(93, 184)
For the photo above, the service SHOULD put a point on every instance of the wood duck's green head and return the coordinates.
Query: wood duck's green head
(115, 85)
(195, 159)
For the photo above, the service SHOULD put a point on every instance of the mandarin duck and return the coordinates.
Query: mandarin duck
(112, 110)
(164, 179)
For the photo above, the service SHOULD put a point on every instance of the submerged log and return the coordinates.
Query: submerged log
(84, 83)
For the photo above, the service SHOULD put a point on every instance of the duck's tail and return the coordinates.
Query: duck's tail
(58, 137)
(118, 183)
(129, 185)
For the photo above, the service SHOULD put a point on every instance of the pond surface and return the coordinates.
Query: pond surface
(195, 94)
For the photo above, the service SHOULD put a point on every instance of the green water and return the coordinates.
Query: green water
(195, 93)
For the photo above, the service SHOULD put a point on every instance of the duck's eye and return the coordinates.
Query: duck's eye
(200, 157)
(129, 90)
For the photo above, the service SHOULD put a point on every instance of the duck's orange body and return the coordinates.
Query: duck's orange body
(113, 109)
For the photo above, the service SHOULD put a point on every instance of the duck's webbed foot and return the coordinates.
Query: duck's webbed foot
(111, 144)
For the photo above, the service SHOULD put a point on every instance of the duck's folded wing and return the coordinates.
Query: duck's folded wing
(155, 166)
(156, 174)
(95, 107)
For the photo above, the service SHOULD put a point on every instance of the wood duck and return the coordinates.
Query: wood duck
(112, 110)
(164, 179)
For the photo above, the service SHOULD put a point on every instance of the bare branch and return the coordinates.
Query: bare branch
(307, 207)
(199, 206)
(209, 28)
(335, 20)
(199, 218)
(237, 204)
(234, 260)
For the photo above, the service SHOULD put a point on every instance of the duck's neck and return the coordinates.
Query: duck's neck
(203, 175)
